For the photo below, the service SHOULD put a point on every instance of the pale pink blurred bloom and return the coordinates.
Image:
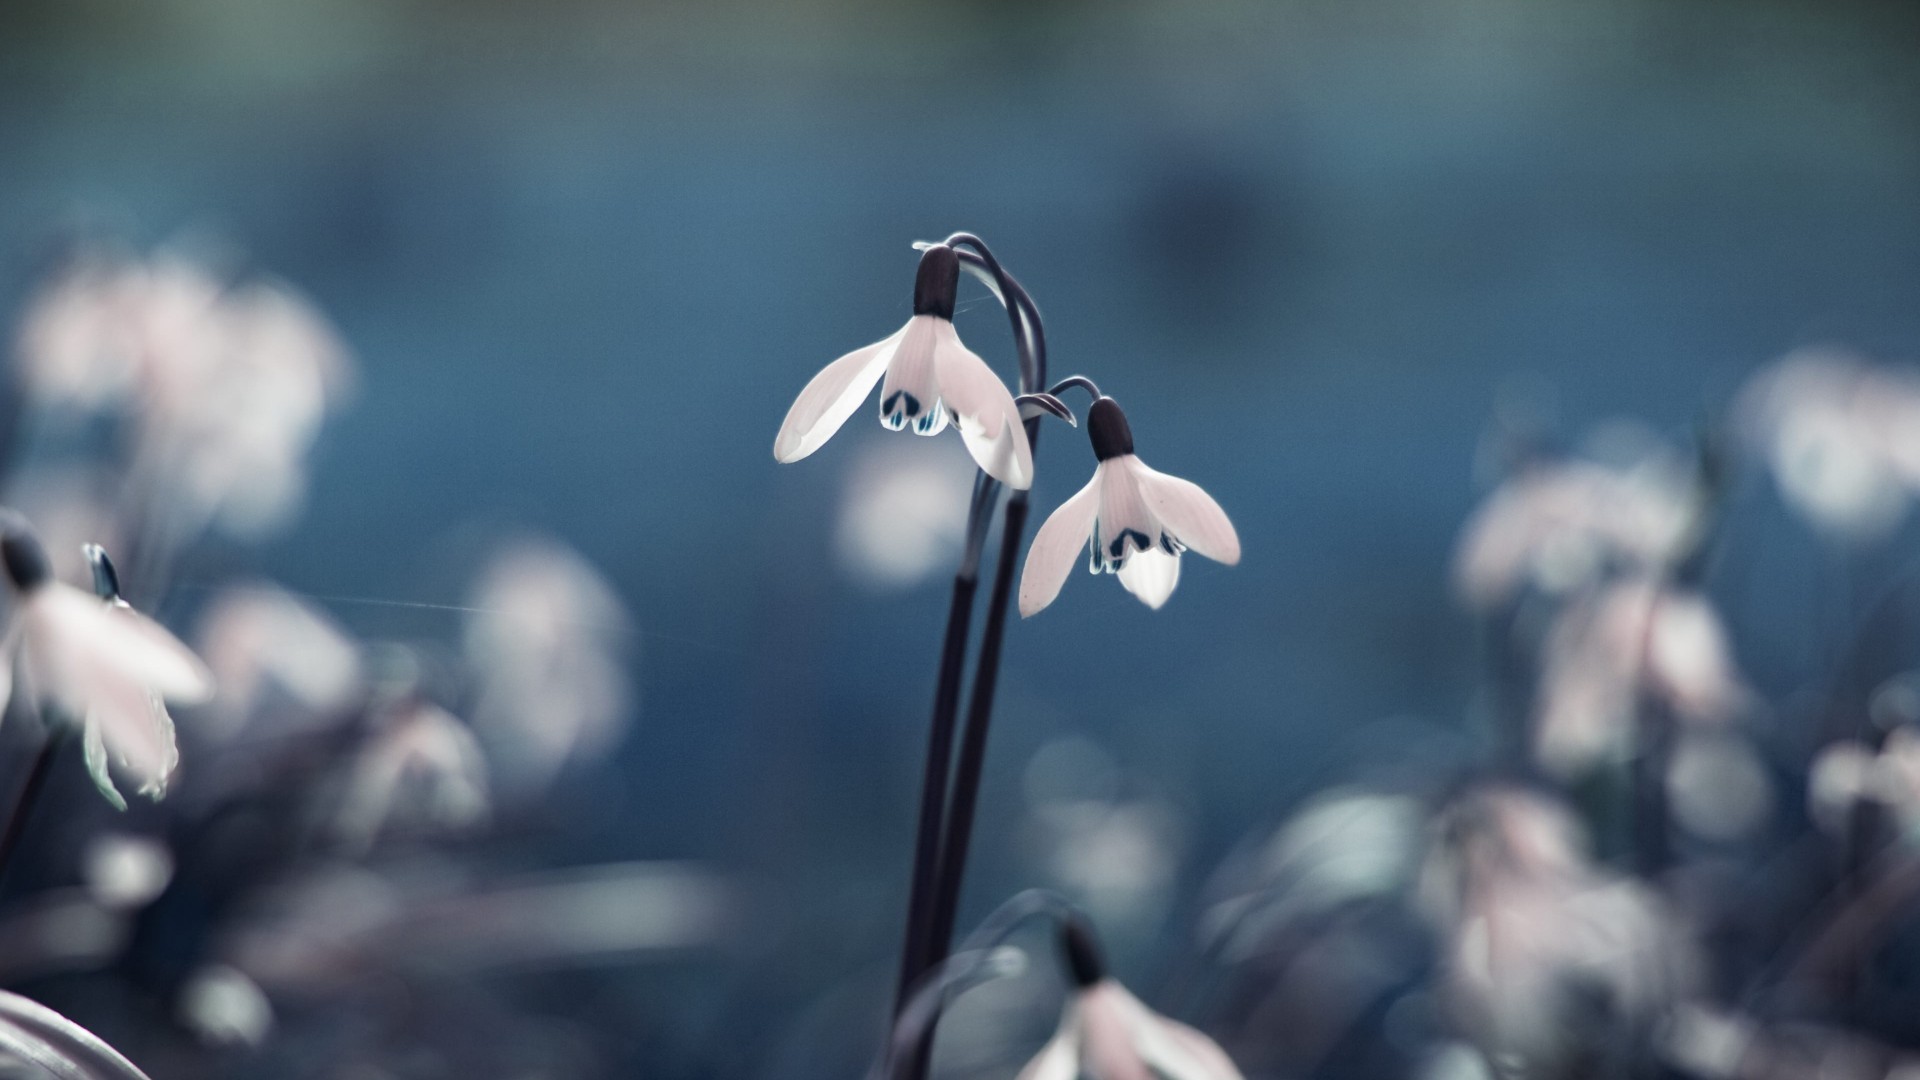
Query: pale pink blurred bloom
(1557, 527)
(1842, 437)
(1847, 772)
(1528, 921)
(1106, 1033)
(102, 665)
(422, 770)
(265, 644)
(228, 415)
(1631, 638)
(78, 343)
(548, 640)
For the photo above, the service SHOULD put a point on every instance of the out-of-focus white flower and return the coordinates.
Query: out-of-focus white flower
(125, 872)
(100, 664)
(1717, 786)
(548, 640)
(1345, 845)
(1631, 638)
(1532, 928)
(1846, 772)
(78, 344)
(931, 380)
(259, 639)
(1557, 527)
(224, 1007)
(227, 418)
(1134, 522)
(903, 517)
(424, 768)
(1106, 1033)
(1842, 437)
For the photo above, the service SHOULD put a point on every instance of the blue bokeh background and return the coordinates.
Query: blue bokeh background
(587, 252)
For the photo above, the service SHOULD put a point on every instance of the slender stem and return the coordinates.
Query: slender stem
(29, 796)
(930, 927)
(973, 738)
(914, 959)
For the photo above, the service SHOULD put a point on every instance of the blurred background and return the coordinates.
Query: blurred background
(584, 254)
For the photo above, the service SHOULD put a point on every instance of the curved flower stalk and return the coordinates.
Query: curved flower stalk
(95, 661)
(931, 380)
(1106, 1033)
(1134, 521)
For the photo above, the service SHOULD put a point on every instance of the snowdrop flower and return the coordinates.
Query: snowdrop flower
(1842, 437)
(1557, 527)
(1134, 521)
(1105, 1032)
(425, 768)
(1634, 638)
(280, 663)
(1536, 934)
(931, 380)
(98, 663)
(1848, 772)
(548, 638)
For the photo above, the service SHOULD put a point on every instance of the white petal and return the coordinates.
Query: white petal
(136, 732)
(910, 394)
(1188, 512)
(1151, 576)
(1051, 556)
(94, 751)
(1178, 1052)
(832, 396)
(1058, 1060)
(989, 421)
(1111, 1018)
(1125, 524)
(98, 640)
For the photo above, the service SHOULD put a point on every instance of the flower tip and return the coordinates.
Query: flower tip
(106, 580)
(937, 282)
(1082, 952)
(21, 552)
(1108, 430)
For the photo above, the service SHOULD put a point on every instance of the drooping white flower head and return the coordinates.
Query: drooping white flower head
(1106, 1033)
(100, 664)
(931, 380)
(1134, 521)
